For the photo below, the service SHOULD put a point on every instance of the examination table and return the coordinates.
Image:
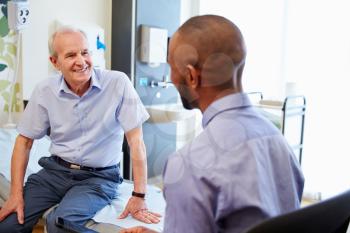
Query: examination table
(106, 219)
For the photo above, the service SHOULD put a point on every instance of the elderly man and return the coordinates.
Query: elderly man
(240, 169)
(87, 111)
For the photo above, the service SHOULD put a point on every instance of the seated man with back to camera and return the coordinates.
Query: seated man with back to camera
(87, 111)
(240, 170)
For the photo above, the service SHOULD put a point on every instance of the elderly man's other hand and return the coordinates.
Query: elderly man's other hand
(15, 204)
(137, 230)
(138, 209)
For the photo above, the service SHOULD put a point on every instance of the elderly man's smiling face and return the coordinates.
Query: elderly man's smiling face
(72, 57)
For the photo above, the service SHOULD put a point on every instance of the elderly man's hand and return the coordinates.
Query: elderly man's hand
(137, 208)
(15, 204)
(137, 230)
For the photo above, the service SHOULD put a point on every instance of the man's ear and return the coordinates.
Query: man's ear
(53, 60)
(193, 76)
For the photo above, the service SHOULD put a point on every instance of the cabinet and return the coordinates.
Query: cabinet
(128, 19)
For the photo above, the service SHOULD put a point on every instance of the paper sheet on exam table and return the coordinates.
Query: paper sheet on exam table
(155, 203)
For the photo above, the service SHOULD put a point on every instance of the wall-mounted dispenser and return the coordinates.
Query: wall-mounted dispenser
(154, 45)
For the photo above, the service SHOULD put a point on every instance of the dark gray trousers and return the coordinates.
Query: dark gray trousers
(80, 194)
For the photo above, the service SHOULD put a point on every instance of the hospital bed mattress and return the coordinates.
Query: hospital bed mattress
(41, 148)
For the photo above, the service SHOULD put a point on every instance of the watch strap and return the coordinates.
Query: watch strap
(136, 194)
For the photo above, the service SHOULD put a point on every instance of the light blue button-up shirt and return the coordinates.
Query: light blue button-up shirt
(86, 130)
(237, 172)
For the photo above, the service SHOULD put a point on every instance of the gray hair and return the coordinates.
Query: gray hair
(62, 30)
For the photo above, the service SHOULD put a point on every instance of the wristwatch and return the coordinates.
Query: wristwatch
(140, 195)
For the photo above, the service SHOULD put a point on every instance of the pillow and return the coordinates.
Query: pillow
(39, 149)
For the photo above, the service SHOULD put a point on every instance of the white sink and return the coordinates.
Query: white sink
(165, 113)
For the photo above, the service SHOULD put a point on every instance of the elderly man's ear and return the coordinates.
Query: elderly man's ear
(54, 62)
(192, 76)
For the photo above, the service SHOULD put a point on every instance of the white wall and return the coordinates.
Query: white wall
(189, 8)
(312, 42)
(36, 65)
(262, 25)
(318, 60)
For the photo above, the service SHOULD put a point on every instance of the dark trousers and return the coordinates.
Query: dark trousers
(80, 194)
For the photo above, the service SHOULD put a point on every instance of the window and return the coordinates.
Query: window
(307, 42)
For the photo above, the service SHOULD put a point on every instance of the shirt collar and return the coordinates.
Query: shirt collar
(229, 102)
(94, 83)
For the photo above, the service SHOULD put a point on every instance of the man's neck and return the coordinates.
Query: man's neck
(79, 89)
(211, 95)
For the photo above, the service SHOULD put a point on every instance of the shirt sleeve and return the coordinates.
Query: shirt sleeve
(189, 205)
(34, 121)
(131, 113)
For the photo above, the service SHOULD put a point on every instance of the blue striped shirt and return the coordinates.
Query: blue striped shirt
(237, 172)
(86, 130)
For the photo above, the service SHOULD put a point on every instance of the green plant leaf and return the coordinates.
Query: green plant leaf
(8, 59)
(2, 67)
(12, 33)
(2, 45)
(17, 102)
(6, 96)
(4, 84)
(4, 8)
(6, 108)
(17, 87)
(4, 29)
(15, 105)
(11, 48)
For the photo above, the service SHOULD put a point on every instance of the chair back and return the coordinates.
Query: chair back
(328, 216)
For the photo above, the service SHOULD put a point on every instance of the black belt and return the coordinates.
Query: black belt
(66, 164)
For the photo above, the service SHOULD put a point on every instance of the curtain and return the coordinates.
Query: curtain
(8, 48)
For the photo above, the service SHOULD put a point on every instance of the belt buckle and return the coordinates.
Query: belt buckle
(74, 166)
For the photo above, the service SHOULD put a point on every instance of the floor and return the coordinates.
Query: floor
(38, 229)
